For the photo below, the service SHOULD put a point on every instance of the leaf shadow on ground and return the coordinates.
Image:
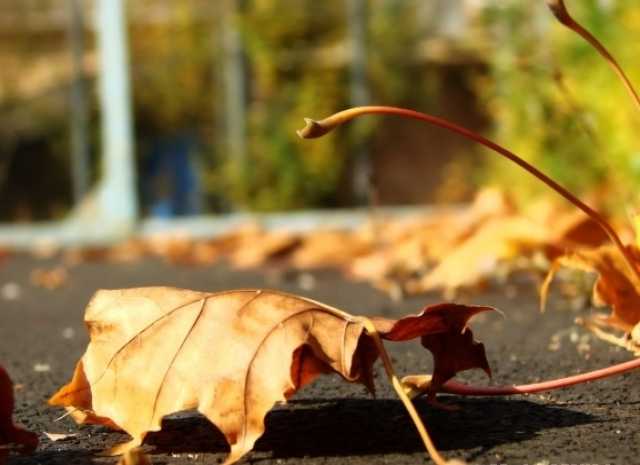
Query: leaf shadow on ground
(336, 427)
(345, 427)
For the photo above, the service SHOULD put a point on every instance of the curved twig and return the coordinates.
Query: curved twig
(315, 129)
(559, 10)
(462, 389)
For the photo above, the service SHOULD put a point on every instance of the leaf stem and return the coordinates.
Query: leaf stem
(561, 13)
(453, 387)
(315, 129)
(400, 390)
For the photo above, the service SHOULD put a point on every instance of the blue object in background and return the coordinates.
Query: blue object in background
(170, 179)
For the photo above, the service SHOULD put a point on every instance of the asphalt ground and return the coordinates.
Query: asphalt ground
(332, 422)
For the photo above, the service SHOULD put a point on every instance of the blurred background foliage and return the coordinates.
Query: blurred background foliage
(504, 68)
(554, 101)
(295, 60)
(286, 82)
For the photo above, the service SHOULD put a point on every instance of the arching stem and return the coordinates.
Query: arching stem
(315, 129)
(418, 387)
(561, 13)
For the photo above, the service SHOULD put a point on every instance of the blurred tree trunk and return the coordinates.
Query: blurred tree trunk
(359, 95)
(234, 83)
(78, 100)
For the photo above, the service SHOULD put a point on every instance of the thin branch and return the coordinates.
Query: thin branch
(559, 10)
(315, 129)
(453, 387)
(400, 390)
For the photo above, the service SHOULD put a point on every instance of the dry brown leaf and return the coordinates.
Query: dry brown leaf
(442, 328)
(233, 355)
(617, 286)
(10, 433)
(174, 248)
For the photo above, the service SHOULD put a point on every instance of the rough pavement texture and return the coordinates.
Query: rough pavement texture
(332, 422)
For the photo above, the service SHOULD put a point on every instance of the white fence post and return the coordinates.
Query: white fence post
(117, 201)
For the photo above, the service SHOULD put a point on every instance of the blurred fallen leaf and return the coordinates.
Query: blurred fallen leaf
(124, 252)
(567, 230)
(324, 249)
(50, 279)
(256, 248)
(477, 258)
(410, 249)
(170, 247)
(617, 286)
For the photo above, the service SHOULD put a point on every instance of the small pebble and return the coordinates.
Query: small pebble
(11, 291)
(306, 281)
(574, 337)
(41, 367)
(68, 333)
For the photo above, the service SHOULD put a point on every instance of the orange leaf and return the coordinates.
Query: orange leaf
(232, 355)
(616, 286)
